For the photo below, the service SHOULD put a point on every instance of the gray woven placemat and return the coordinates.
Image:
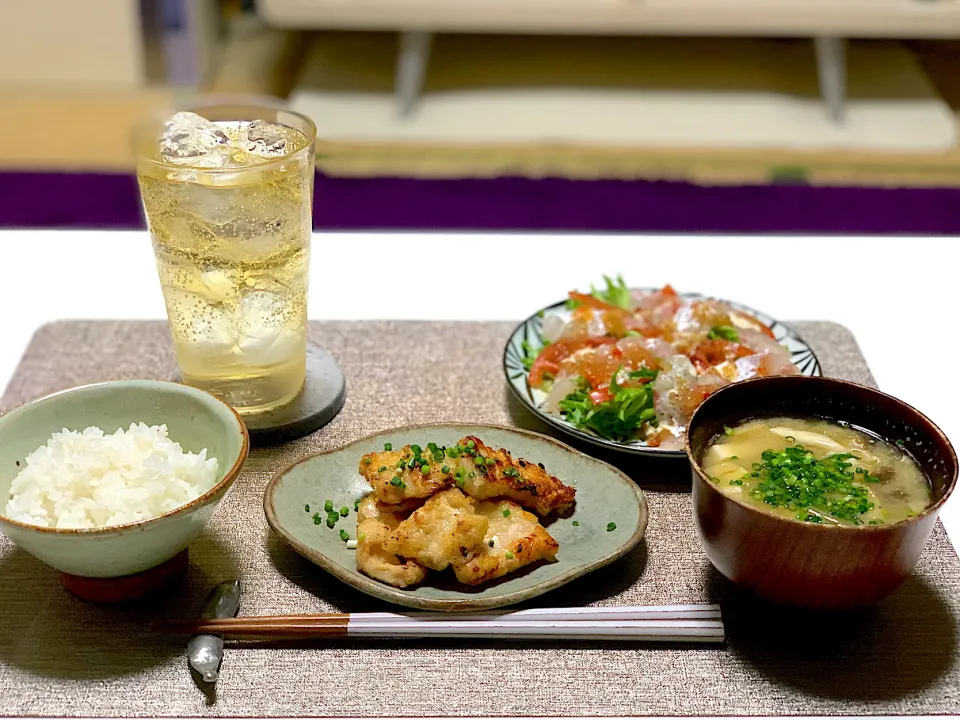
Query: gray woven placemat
(60, 656)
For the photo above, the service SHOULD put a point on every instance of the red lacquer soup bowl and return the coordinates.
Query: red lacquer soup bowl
(807, 564)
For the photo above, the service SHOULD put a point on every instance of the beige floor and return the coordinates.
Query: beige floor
(80, 131)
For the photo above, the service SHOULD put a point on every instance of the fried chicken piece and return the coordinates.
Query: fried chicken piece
(500, 475)
(371, 508)
(396, 476)
(514, 538)
(446, 528)
(390, 515)
(374, 526)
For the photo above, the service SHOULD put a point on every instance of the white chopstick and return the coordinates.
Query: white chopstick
(587, 614)
(650, 630)
(670, 623)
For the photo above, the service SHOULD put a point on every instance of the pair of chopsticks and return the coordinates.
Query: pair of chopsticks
(668, 623)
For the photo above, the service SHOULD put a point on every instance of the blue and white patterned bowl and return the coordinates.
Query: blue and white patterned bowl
(531, 329)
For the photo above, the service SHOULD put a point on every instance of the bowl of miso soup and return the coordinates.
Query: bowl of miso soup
(816, 492)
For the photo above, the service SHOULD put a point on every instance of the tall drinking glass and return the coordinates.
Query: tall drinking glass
(227, 190)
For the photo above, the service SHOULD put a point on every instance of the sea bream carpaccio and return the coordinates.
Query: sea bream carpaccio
(633, 365)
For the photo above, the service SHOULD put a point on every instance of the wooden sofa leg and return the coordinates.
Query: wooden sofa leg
(411, 69)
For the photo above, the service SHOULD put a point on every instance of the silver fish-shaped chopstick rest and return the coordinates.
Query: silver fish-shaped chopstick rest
(205, 652)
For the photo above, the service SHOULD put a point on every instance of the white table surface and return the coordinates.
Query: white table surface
(897, 295)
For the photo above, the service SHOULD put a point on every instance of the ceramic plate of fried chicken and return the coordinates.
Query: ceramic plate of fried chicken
(456, 517)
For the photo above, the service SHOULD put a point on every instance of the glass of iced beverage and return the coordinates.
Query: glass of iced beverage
(228, 192)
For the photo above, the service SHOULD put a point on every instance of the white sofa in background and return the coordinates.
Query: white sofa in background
(828, 22)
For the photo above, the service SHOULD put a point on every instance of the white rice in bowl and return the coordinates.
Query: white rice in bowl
(91, 480)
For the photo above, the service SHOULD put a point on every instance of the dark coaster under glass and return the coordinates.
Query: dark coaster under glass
(324, 392)
(322, 397)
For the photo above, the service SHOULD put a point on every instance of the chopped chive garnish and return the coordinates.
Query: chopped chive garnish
(508, 555)
(367, 461)
(316, 518)
(344, 535)
(490, 461)
(396, 482)
(471, 444)
(506, 513)
(810, 487)
(432, 447)
(382, 468)
(344, 511)
(328, 505)
(478, 461)
(401, 464)
(459, 482)
(611, 526)
(790, 438)
(727, 430)
(388, 447)
(356, 505)
(576, 522)
(445, 469)
(361, 537)
(306, 508)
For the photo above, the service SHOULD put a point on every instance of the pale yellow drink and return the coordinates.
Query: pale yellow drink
(232, 243)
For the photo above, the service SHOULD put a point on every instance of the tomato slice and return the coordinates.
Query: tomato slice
(601, 395)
